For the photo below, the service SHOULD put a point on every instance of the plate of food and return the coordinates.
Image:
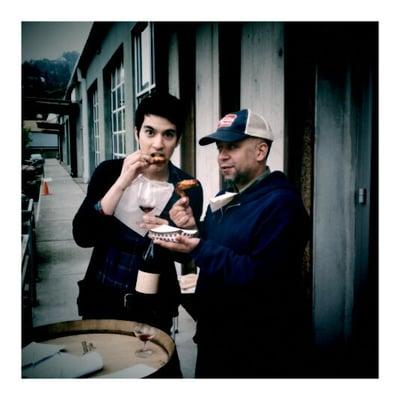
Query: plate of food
(169, 233)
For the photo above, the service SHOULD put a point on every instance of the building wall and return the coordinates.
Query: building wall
(45, 144)
(79, 145)
(97, 72)
(262, 79)
(39, 139)
(65, 155)
(334, 242)
(207, 107)
(344, 280)
(173, 83)
(102, 122)
(130, 102)
(118, 34)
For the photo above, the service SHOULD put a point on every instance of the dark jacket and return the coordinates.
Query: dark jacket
(112, 241)
(249, 291)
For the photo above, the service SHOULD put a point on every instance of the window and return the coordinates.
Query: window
(118, 112)
(144, 57)
(95, 127)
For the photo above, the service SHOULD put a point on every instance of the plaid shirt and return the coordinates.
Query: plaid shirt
(118, 267)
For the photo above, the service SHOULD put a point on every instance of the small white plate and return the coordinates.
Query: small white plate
(169, 233)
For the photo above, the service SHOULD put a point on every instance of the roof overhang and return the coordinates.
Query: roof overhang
(92, 46)
(31, 106)
(42, 127)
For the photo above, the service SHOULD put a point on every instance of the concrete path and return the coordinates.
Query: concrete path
(62, 263)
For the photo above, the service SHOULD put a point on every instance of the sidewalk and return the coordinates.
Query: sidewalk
(61, 263)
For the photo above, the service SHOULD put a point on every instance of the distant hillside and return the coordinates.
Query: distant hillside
(48, 78)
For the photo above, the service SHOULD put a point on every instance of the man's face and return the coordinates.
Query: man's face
(241, 162)
(157, 135)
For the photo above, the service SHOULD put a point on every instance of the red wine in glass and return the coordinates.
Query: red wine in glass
(146, 209)
(144, 337)
(144, 333)
(146, 197)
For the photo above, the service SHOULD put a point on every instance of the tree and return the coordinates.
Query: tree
(71, 58)
(48, 78)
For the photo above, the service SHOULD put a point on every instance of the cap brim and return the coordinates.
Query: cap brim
(222, 136)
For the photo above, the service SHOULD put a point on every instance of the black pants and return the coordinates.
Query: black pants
(241, 359)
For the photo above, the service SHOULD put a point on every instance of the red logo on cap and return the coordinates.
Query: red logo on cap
(227, 121)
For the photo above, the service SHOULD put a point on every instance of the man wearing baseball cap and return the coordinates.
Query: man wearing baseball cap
(251, 315)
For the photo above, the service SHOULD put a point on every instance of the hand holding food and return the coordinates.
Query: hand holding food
(182, 214)
(134, 164)
(186, 184)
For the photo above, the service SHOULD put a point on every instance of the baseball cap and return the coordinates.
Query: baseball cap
(237, 126)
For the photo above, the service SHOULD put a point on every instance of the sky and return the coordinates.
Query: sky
(51, 39)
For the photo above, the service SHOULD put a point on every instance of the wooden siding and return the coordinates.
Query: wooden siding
(334, 208)
(173, 82)
(262, 79)
(207, 107)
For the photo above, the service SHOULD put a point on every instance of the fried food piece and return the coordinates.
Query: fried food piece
(185, 185)
(157, 158)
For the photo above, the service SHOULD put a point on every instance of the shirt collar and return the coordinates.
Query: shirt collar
(226, 198)
(256, 180)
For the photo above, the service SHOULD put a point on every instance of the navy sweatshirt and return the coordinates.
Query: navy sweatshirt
(250, 259)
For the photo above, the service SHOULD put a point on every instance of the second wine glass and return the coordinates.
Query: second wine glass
(144, 333)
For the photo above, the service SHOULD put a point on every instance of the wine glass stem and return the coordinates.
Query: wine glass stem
(144, 345)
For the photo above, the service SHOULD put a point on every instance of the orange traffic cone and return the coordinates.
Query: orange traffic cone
(45, 190)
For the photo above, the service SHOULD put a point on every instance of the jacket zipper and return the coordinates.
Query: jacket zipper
(227, 208)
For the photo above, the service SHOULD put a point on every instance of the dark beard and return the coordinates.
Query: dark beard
(231, 184)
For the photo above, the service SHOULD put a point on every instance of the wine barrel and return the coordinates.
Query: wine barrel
(114, 340)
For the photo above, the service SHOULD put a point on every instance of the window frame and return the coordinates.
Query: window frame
(142, 88)
(96, 127)
(118, 110)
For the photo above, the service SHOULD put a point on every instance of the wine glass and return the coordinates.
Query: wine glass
(144, 333)
(146, 198)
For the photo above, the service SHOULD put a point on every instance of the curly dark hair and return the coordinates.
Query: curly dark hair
(163, 105)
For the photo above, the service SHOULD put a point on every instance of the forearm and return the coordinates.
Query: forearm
(90, 223)
(111, 199)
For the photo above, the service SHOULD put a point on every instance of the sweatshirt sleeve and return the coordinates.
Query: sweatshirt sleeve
(196, 202)
(89, 225)
(277, 236)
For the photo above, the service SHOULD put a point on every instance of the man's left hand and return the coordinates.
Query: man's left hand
(152, 221)
(183, 244)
